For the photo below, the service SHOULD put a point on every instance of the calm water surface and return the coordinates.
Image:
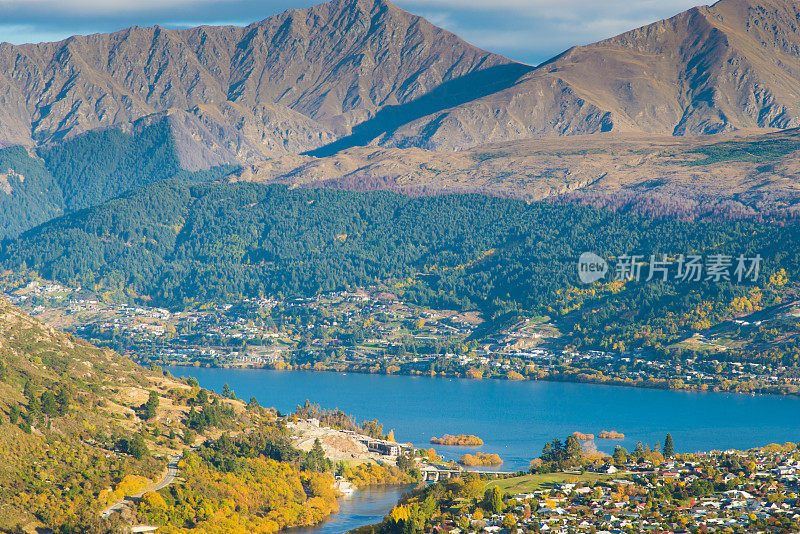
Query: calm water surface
(366, 507)
(515, 419)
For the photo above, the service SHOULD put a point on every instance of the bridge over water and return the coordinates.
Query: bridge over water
(435, 472)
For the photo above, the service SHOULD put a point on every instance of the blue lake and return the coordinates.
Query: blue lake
(515, 419)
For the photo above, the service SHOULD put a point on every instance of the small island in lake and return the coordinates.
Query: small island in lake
(580, 436)
(461, 440)
(480, 459)
(611, 434)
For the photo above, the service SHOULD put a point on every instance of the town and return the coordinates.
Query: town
(728, 491)
(373, 331)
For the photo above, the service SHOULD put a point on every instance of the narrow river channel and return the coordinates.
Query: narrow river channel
(366, 507)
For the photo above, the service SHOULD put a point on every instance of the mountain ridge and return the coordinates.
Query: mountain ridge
(351, 73)
(292, 79)
(679, 76)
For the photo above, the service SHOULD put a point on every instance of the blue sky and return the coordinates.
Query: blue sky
(530, 31)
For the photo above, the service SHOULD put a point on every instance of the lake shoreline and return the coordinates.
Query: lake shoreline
(365, 507)
(516, 418)
(459, 376)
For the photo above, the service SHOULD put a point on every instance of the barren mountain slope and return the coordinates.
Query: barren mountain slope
(707, 70)
(745, 163)
(281, 85)
(351, 73)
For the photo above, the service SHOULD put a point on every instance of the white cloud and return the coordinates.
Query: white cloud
(525, 30)
(24, 33)
(547, 9)
(535, 30)
(94, 7)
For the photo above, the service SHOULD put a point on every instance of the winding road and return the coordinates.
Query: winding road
(166, 480)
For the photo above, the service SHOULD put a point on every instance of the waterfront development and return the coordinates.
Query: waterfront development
(360, 331)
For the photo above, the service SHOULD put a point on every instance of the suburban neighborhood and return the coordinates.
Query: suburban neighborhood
(721, 491)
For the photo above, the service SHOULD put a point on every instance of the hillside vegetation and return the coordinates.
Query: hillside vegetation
(183, 245)
(39, 185)
(81, 428)
(29, 195)
(69, 430)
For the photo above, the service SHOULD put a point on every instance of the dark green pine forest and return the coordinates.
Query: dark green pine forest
(39, 185)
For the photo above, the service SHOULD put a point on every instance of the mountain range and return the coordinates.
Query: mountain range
(354, 72)
(293, 82)
(362, 94)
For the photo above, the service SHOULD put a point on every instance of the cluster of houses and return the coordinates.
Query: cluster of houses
(755, 491)
(379, 446)
(516, 353)
(383, 447)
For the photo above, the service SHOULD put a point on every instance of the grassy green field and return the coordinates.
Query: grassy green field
(531, 483)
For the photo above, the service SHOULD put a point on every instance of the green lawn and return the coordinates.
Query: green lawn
(530, 483)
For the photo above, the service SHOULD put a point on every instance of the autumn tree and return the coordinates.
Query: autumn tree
(372, 429)
(473, 486)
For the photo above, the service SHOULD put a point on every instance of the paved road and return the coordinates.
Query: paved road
(166, 480)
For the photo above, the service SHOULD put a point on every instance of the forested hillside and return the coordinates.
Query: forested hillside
(101, 165)
(64, 438)
(29, 195)
(37, 186)
(178, 244)
(81, 428)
